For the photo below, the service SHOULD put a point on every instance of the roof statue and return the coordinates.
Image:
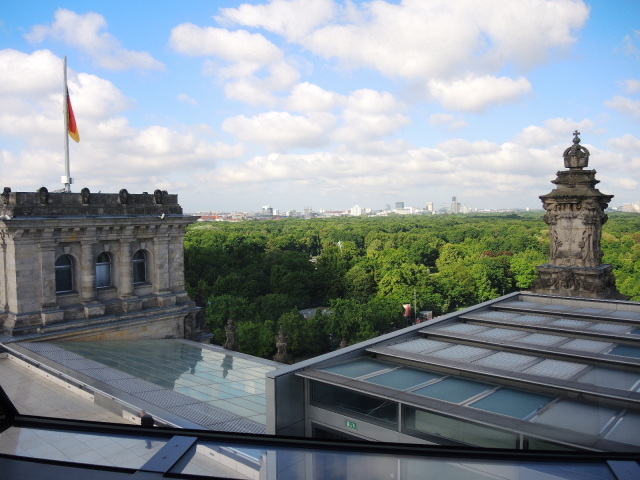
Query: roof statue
(575, 215)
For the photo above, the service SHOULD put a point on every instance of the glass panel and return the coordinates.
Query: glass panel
(608, 377)
(626, 351)
(191, 373)
(404, 378)
(513, 403)
(537, 444)
(626, 430)
(64, 274)
(578, 417)
(139, 267)
(453, 389)
(458, 430)
(103, 275)
(94, 449)
(226, 461)
(358, 368)
(372, 409)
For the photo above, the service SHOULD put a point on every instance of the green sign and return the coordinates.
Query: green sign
(351, 424)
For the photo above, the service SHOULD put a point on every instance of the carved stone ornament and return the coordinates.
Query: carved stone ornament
(158, 196)
(576, 156)
(230, 329)
(574, 211)
(281, 344)
(124, 196)
(43, 194)
(5, 196)
(85, 194)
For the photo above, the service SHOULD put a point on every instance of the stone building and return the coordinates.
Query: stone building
(93, 266)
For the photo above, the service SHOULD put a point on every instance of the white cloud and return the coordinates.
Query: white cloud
(112, 154)
(629, 46)
(307, 97)
(555, 131)
(183, 97)
(86, 33)
(278, 130)
(624, 105)
(627, 143)
(234, 46)
(452, 122)
(422, 40)
(476, 93)
(632, 85)
(292, 19)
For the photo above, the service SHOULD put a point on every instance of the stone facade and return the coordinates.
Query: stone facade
(91, 261)
(575, 215)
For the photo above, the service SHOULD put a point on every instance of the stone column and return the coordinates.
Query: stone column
(47, 251)
(50, 312)
(87, 272)
(125, 269)
(161, 260)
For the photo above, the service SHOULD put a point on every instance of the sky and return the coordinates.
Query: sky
(325, 104)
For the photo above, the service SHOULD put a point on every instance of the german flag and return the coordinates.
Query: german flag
(71, 121)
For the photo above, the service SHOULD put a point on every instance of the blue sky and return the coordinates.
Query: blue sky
(322, 103)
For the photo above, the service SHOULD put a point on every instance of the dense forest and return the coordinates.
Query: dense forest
(361, 270)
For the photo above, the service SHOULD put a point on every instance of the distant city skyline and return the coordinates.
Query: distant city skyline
(325, 103)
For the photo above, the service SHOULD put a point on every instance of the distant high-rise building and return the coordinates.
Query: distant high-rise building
(399, 204)
(455, 206)
(356, 211)
(267, 210)
(429, 206)
(387, 207)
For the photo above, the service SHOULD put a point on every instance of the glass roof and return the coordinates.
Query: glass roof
(453, 389)
(404, 378)
(231, 382)
(358, 368)
(577, 417)
(513, 403)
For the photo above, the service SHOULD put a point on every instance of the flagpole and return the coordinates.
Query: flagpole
(66, 179)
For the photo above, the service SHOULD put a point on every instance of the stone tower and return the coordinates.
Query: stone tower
(575, 215)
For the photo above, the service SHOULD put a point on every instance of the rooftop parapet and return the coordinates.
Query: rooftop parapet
(43, 203)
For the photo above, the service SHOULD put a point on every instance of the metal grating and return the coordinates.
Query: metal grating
(611, 328)
(513, 362)
(570, 323)
(461, 353)
(461, 328)
(626, 315)
(593, 311)
(166, 399)
(587, 345)
(555, 369)
(420, 345)
(496, 315)
(134, 385)
(541, 339)
(501, 334)
(536, 319)
(104, 374)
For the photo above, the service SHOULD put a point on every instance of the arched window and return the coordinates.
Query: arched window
(64, 274)
(103, 270)
(139, 267)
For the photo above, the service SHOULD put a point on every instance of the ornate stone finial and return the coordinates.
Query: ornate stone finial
(281, 344)
(44, 195)
(158, 196)
(5, 196)
(231, 342)
(124, 196)
(85, 194)
(576, 156)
